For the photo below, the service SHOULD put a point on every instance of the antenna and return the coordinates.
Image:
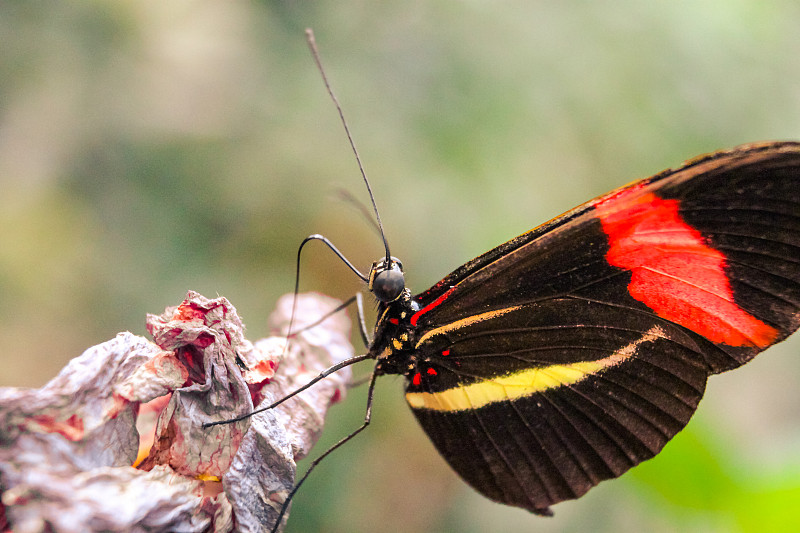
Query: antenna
(312, 44)
(388, 276)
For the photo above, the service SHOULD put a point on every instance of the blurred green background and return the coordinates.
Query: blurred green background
(147, 148)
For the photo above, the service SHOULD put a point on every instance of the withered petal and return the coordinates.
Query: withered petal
(66, 449)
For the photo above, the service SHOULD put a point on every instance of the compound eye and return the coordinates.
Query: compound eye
(388, 284)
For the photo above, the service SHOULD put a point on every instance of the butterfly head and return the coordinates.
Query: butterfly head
(386, 279)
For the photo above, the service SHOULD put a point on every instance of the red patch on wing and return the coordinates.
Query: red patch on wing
(674, 272)
(431, 305)
(417, 379)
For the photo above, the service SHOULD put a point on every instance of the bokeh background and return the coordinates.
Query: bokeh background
(150, 147)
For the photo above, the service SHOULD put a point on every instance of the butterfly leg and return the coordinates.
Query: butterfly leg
(315, 462)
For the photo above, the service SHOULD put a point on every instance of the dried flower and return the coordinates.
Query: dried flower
(115, 441)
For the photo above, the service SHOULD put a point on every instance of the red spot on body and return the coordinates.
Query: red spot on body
(431, 372)
(417, 379)
(431, 305)
(673, 271)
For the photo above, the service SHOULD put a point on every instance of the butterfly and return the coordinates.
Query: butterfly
(572, 353)
(575, 351)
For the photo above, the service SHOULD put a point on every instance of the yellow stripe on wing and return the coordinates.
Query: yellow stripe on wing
(524, 383)
(464, 322)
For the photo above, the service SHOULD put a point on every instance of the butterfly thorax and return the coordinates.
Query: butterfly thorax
(395, 339)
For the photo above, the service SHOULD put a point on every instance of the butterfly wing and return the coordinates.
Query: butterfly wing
(577, 350)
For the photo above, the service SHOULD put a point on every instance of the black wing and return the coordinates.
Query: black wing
(577, 350)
